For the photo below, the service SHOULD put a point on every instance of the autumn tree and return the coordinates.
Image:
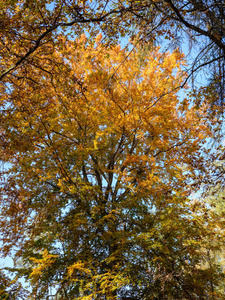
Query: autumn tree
(101, 158)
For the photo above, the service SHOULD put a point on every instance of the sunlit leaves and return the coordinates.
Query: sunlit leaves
(102, 156)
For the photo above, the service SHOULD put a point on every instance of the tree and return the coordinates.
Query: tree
(101, 154)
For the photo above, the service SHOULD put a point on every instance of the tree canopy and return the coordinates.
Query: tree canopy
(28, 26)
(101, 154)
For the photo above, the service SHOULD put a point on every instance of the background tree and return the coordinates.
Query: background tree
(102, 155)
(200, 22)
(215, 196)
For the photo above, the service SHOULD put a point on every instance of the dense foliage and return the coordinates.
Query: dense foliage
(29, 25)
(102, 157)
